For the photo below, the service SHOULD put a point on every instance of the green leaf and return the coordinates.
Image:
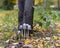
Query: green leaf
(47, 23)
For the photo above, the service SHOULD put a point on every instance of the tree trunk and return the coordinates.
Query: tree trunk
(28, 12)
(58, 4)
(21, 11)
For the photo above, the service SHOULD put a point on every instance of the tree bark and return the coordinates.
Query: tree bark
(25, 14)
(28, 13)
(28, 10)
(20, 12)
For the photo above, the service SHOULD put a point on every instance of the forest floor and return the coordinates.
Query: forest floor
(54, 40)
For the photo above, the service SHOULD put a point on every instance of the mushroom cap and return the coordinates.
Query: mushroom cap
(20, 27)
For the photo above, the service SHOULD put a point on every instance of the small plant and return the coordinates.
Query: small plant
(46, 18)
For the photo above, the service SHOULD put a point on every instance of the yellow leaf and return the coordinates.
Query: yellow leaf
(27, 41)
(38, 1)
(57, 44)
(55, 37)
(34, 43)
(41, 46)
(49, 46)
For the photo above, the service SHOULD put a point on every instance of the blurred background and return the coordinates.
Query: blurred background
(46, 16)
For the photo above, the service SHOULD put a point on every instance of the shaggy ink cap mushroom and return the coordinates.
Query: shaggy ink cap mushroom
(21, 27)
(24, 26)
(29, 27)
(18, 32)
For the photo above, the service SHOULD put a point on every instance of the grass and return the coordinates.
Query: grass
(8, 22)
(9, 17)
